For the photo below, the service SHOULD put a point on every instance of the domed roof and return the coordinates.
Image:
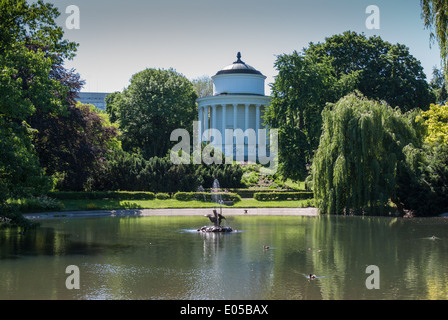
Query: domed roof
(238, 67)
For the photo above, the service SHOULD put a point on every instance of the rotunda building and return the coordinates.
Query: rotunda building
(238, 102)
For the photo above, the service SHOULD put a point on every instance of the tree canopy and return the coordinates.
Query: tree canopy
(435, 121)
(385, 71)
(438, 86)
(324, 73)
(203, 86)
(435, 16)
(155, 103)
(363, 151)
(32, 51)
(300, 91)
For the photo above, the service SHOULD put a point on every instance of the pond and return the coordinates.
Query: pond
(166, 258)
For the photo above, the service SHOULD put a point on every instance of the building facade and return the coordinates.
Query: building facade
(238, 102)
(98, 99)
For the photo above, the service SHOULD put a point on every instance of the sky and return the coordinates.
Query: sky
(199, 37)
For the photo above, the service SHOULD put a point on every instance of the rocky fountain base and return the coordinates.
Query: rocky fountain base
(215, 229)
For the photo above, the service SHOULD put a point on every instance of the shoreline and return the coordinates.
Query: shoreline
(310, 211)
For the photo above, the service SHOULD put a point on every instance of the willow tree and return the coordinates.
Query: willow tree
(435, 16)
(362, 153)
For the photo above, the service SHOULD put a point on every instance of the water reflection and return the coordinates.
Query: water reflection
(163, 258)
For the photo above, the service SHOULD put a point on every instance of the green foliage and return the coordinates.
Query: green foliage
(125, 171)
(132, 172)
(250, 178)
(32, 78)
(155, 103)
(94, 195)
(361, 156)
(300, 91)
(435, 177)
(20, 174)
(281, 196)
(74, 146)
(206, 196)
(10, 217)
(37, 204)
(203, 86)
(324, 73)
(384, 71)
(435, 122)
(162, 196)
(228, 175)
(435, 15)
(112, 105)
(438, 86)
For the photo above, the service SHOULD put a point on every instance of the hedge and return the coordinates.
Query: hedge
(249, 193)
(162, 196)
(273, 196)
(94, 195)
(206, 196)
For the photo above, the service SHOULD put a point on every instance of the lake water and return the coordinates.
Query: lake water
(165, 258)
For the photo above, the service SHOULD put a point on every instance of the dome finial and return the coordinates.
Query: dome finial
(238, 56)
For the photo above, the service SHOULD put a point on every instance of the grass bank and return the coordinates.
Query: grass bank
(111, 204)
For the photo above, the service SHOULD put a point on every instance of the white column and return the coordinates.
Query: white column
(213, 120)
(246, 117)
(206, 123)
(201, 122)
(257, 120)
(223, 119)
(214, 116)
(246, 126)
(235, 110)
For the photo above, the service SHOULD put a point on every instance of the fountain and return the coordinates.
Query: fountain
(215, 217)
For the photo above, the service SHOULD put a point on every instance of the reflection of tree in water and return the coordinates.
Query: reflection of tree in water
(234, 268)
(406, 262)
(51, 242)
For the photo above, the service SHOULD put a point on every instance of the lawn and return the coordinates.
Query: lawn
(76, 205)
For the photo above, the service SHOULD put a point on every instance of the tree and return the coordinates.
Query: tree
(325, 72)
(31, 51)
(435, 181)
(130, 171)
(438, 85)
(112, 105)
(385, 71)
(300, 91)
(73, 146)
(364, 153)
(435, 121)
(155, 103)
(203, 86)
(435, 16)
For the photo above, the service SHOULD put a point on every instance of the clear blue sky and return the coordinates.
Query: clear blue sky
(199, 37)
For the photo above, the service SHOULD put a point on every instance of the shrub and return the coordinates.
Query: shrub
(206, 196)
(37, 204)
(281, 196)
(95, 195)
(92, 206)
(249, 193)
(162, 196)
(183, 196)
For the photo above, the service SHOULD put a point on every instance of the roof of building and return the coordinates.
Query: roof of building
(238, 66)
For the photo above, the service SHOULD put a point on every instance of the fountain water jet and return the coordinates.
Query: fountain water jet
(216, 217)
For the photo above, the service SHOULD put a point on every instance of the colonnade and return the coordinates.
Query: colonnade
(210, 118)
